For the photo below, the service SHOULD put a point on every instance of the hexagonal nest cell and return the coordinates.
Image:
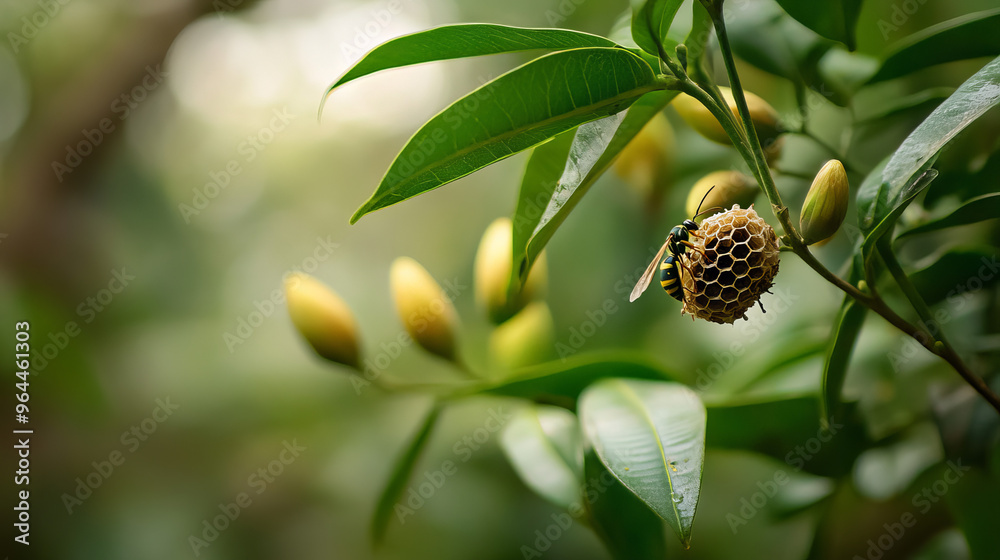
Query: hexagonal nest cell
(735, 263)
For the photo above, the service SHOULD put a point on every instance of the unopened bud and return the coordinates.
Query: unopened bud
(425, 309)
(493, 262)
(731, 187)
(825, 205)
(764, 117)
(323, 319)
(527, 338)
(645, 163)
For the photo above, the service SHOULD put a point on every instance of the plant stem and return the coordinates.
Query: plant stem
(720, 112)
(760, 162)
(940, 344)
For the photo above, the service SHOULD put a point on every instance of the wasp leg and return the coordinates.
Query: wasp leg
(691, 246)
(685, 267)
(761, 304)
(680, 261)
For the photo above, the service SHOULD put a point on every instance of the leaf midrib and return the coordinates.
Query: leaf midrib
(551, 447)
(583, 109)
(602, 165)
(632, 396)
(350, 75)
(458, 154)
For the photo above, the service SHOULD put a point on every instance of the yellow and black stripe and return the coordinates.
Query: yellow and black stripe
(670, 277)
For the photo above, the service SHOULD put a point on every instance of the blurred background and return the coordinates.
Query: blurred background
(163, 168)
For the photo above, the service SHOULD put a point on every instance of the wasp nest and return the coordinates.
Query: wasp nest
(735, 262)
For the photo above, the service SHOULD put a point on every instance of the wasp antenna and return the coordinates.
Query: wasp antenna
(703, 201)
(712, 209)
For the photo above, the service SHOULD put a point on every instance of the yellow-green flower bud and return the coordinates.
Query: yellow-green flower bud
(323, 319)
(645, 163)
(527, 338)
(425, 309)
(493, 262)
(825, 205)
(731, 187)
(764, 117)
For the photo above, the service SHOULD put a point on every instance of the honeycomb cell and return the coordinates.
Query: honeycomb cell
(739, 263)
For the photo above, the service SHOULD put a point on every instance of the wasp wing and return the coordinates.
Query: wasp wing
(647, 276)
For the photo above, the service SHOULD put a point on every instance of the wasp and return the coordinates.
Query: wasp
(676, 245)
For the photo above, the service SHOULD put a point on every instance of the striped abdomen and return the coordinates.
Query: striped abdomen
(670, 279)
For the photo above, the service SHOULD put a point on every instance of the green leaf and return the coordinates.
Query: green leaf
(629, 529)
(650, 22)
(561, 172)
(460, 41)
(696, 41)
(400, 476)
(890, 187)
(846, 329)
(969, 102)
(560, 382)
(514, 112)
(877, 214)
(960, 182)
(788, 349)
(651, 436)
(969, 36)
(788, 428)
(556, 172)
(956, 272)
(769, 39)
(922, 101)
(973, 501)
(545, 447)
(986, 207)
(621, 30)
(844, 72)
(833, 19)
